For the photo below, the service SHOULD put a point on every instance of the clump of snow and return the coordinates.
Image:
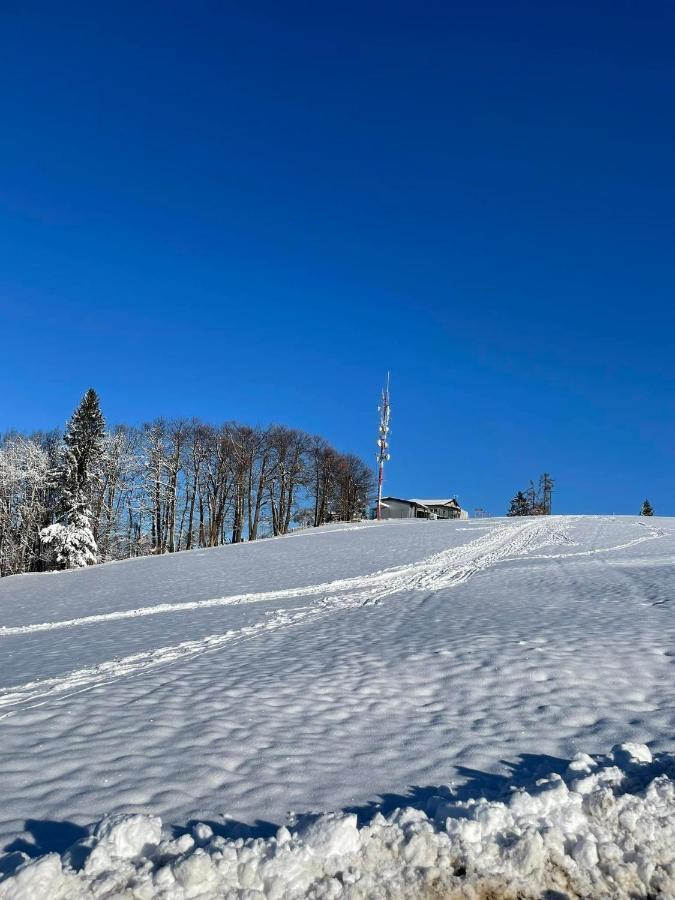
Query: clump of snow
(606, 829)
(122, 837)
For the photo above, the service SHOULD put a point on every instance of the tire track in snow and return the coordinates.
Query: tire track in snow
(653, 533)
(479, 548)
(135, 664)
(446, 569)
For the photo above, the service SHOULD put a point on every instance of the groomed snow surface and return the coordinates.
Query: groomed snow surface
(387, 710)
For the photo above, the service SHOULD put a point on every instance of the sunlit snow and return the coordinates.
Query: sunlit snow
(327, 681)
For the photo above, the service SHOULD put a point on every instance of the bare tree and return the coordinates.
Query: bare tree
(221, 484)
(546, 493)
(259, 464)
(320, 477)
(115, 497)
(288, 447)
(353, 485)
(178, 433)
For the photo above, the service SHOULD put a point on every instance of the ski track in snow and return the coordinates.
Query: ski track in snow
(449, 568)
(555, 535)
(446, 569)
(384, 580)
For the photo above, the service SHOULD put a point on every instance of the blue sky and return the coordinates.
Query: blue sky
(253, 210)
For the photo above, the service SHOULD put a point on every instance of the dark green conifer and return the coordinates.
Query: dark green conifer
(70, 541)
(519, 505)
(83, 444)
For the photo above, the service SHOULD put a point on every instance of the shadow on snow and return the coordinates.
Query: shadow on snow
(56, 837)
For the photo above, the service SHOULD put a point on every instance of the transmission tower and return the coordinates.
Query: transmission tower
(382, 444)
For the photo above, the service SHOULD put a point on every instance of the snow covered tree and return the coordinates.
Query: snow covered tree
(71, 542)
(646, 509)
(24, 499)
(519, 505)
(114, 499)
(71, 546)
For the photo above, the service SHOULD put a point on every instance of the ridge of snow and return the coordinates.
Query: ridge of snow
(605, 828)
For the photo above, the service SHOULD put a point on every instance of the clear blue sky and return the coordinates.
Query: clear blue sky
(252, 210)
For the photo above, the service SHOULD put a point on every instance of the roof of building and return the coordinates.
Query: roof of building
(402, 500)
(451, 502)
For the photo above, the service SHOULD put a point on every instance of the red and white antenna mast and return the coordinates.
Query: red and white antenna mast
(382, 445)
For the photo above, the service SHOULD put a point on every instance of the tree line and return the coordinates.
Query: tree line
(538, 500)
(95, 493)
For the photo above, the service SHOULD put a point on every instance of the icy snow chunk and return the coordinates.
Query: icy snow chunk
(585, 852)
(581, 763)
(122, 837)
(332, 835)
(283, 835)
(625, 754)
(466, 831)
(163, 879)
(195, 873)
(202, 833)
(420, 851)
(526, 854)
(247, 873)
(600, 803)
(183, 844)
(125, 836)
(41, 879)
(661, 790)
(492, 816)
(408, 815)
(601, 777)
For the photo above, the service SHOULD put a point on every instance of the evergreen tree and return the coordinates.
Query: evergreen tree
(71, 541)
(70, 546)
(646, 509)
(519, 505)
(84, 441)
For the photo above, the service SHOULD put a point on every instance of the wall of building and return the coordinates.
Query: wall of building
(396, 510)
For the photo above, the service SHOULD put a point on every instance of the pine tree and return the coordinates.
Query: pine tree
(84, 439)
(70, 546)
(519, 505)
(71, 541)
(646, 509)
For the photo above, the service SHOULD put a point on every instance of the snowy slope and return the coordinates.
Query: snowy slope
(328, 670)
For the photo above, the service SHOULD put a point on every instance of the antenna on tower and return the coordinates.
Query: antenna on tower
(382, 444)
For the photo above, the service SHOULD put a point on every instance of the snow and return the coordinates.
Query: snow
(605, 828)
(396, 680)
(434, 502)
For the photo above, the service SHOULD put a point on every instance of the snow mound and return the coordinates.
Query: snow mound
(605, 828)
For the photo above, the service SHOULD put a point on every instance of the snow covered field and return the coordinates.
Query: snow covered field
(360, 669)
